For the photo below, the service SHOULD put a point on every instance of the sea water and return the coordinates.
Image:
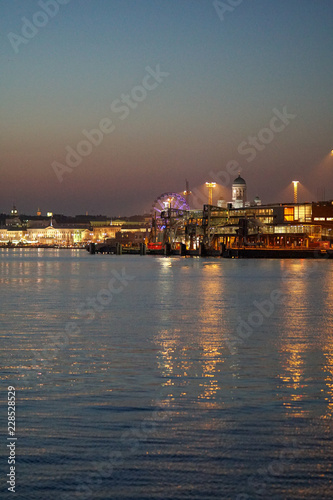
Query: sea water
(141, 377)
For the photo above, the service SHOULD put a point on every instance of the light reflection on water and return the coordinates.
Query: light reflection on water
(163, 343)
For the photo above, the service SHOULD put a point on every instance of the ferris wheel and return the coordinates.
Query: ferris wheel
(169, 200)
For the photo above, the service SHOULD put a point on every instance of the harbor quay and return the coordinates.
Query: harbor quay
(235, 229)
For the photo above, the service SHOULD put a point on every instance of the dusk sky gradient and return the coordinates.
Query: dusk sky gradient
(225, 78)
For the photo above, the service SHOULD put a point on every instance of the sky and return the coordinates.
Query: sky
(107, 104)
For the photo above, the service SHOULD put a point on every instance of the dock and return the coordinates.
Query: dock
(202, 251)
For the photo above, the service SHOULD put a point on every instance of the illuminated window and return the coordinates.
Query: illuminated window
(303, 213)
(289, 214)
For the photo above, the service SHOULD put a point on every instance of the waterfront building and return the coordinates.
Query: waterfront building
(306, 225)
(230, 224)
(57, 235)
(100, 233)
(12, 235)
(243, 223)
(65, 231)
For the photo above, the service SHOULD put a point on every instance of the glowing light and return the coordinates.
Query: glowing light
(295, 190)
(170, 200)
(210, 186)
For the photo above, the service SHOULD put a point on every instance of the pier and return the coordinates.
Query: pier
(203, 251)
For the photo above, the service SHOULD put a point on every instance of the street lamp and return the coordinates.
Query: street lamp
(210, 186)
(187, 191)
(295, 190)
(170, 201)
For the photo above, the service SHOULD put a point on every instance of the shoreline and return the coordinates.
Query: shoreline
(227, 253)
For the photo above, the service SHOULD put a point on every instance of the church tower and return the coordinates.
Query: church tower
(238, 192)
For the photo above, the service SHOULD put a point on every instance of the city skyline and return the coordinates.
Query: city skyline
(210, 192)
(106, 105)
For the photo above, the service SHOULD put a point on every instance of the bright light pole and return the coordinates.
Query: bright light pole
(187, 191)
(170, 201)
(210, 186)
(295, 190)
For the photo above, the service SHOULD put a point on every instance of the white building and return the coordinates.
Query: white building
(239, 192)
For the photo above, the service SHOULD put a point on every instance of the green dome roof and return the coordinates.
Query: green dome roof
(239, 180)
